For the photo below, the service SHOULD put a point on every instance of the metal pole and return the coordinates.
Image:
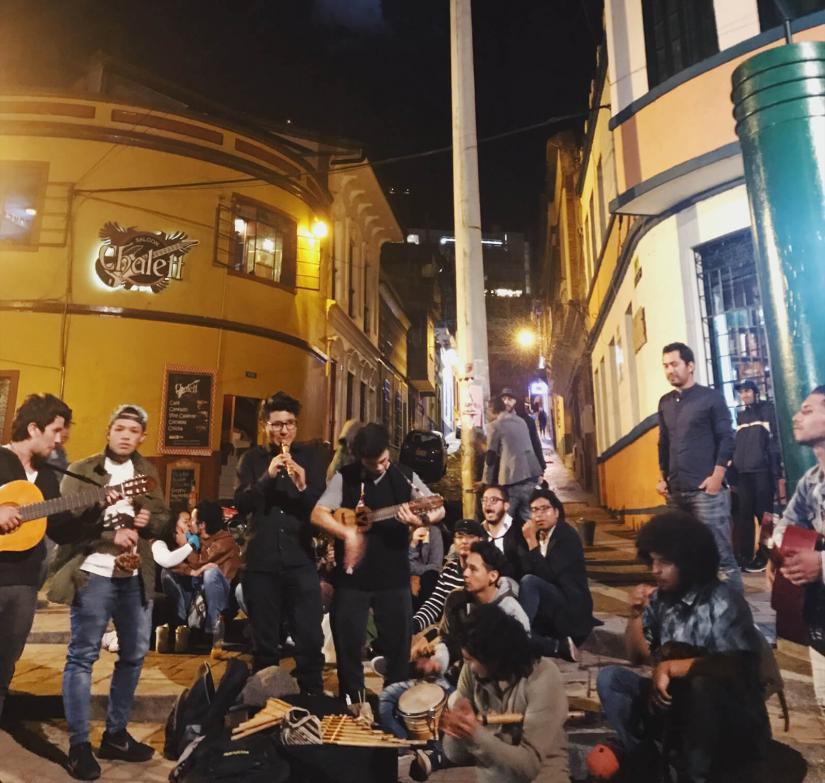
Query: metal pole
(471, 314)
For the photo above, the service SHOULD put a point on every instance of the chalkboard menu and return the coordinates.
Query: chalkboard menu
(187, 410)
(182, 476)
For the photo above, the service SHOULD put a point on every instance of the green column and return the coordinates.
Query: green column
(779, 107)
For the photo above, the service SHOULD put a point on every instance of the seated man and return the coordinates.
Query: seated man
(704, 700)
(495, 506)
(211, 569)
(553, 590)
(502, 675)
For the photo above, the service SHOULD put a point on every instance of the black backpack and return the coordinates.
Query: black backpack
(200, 710)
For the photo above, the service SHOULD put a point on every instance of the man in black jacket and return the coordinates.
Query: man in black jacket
(36, 430)
(553, 591)
(501, 528)
(278, 485)
(372, 566)
(758, 464)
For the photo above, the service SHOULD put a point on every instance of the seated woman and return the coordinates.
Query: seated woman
(210, 570)
(704, 702)
(553, 590)
(503, 675)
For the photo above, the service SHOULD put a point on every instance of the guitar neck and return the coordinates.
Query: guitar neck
(45, 508)
(379, 515)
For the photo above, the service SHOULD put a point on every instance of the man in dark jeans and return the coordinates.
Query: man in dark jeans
(372, 566)
(695, 446)
(278, 485)
(36, 430)
(758, 464)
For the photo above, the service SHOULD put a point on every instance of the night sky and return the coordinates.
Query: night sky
(376, 71)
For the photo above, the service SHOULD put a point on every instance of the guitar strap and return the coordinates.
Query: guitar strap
(71, 473)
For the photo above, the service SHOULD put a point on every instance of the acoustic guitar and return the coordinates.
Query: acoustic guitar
(788, 599)
(34, 509)
(364, 517)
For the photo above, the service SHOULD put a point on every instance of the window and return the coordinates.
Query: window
(594, 244)
(264, 243)
(588, 259)
(385, 404)
(351, 280)
(602, 202)
(362, 403)
(22, 188)
(769, 15)
(8, 400)
(678, 33)
(350, 392)
(733, 322)
(367, 324)
(398, 424)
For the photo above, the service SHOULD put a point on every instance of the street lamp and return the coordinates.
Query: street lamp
(525, 338)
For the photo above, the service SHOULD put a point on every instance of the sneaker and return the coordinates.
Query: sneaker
(424, 763)
(82, 764)
(109, 641)
(758, 564)
(379, 665)
(568, 650)
(124, 747)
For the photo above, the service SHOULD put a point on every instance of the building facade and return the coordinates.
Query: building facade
(158, 253)
(671, 259)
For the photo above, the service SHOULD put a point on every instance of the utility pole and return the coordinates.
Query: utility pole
(471, 314)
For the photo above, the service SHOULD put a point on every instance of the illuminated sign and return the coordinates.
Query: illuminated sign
(140, 259)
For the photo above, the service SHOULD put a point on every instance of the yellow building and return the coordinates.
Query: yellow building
(159, 253)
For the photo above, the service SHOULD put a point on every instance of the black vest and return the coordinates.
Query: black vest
(386, 563)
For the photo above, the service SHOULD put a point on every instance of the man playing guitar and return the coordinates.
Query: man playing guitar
(36, 430)
(372, 565)
(806, 509)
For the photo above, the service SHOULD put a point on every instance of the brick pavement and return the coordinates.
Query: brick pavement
(35, 748)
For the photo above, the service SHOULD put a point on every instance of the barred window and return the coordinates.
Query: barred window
(264, 243)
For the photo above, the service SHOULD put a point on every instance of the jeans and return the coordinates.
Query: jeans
(519, 495)
(388, 715)
(95, 603)
(181, 590)
(392, 610)
(17, 605)
(714, 511)
(295, 591)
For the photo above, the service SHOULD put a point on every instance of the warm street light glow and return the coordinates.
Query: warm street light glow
(320, 229)
(526, 338)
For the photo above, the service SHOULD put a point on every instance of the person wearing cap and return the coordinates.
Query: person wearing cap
(98, 588)
(511, 460)
(757, 464)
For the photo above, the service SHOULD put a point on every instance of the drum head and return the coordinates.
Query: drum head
(421, 698)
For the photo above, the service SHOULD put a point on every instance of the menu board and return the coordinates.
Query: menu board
(182, 477)
(187, 410)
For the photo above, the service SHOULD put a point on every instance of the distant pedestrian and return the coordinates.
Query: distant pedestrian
(511, 461)
(695, 446)
(757, 466)
(542, 423)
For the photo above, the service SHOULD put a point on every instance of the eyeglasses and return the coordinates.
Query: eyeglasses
(282, 425)
(490, 501)
(540, 509)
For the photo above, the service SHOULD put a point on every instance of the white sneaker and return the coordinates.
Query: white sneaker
(109, 641)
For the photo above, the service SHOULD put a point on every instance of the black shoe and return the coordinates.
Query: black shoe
(758, 564)
(82, 764)
(568, 650)
(124, 747)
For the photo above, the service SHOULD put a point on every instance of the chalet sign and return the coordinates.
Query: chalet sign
(134, 259)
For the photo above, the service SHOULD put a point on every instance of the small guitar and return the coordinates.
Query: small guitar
(364, 518)
(787, 599)
(34, 509)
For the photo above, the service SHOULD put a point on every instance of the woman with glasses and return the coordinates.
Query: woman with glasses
(553, 589)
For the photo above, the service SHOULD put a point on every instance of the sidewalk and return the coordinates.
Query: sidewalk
(33, 746)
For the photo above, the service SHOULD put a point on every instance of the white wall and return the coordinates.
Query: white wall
(736, 20)
(668, 291)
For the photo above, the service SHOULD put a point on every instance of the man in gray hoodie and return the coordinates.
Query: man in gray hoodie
(502, 676)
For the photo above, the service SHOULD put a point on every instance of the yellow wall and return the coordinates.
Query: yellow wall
(628, 478)
(112, 359)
